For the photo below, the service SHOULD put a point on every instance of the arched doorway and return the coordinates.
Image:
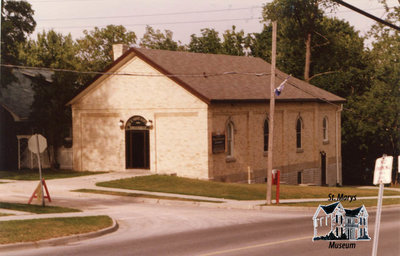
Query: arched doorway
(137, 153)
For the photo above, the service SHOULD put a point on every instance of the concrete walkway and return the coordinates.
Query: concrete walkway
(61, 193)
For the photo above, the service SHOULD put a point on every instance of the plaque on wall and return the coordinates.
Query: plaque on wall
(218, 143)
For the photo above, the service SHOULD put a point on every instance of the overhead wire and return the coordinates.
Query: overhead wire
(151, 14)
(203, 74)
(160, 23)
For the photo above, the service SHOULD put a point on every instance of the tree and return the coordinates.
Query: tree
(233, 43)
(208, 42)
(259, 44)
(340, 62)
(51, 116)
(373, 124)
(95, 48)
(16, 24)
(299, 19)
(158, 40)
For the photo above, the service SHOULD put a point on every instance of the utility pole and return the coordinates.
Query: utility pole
(271, 114)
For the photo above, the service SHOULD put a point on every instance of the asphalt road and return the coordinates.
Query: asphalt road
(172, 230)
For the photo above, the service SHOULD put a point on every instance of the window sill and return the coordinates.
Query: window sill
(230, 159)
(265, 153)
(299, 150)
(325, 142)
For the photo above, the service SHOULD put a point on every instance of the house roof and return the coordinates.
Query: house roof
(329, 208)
(17, 97)
(354, 212)
(225, 78)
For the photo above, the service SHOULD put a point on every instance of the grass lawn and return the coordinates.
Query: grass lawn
(178, 185)
(35, 208)
(116, 193)
(4, 214)
(47, 174)
(347, 204)
(39, 229)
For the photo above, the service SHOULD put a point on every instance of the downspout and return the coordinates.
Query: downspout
(337, 115)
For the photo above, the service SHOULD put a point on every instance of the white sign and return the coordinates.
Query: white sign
(383, 170)
(34, 140)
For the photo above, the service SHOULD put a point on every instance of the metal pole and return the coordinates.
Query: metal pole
(40, 168)
(271, 114)
(377, 220)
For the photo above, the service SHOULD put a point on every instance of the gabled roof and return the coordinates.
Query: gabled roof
(355, 212)
(330, 208)
(224, 78)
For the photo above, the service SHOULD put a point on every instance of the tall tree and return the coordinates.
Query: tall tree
(16, 24)
(95, 48)
(299, 19)
(155, 39)
(52, 50)
(372, 127)
(340, 62)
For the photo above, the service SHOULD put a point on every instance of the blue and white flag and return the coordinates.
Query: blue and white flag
(280, 87)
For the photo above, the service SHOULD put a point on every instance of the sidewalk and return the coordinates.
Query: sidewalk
(60, 192)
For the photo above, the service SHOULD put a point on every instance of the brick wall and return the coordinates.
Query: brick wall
(248, 120)
(178, 139)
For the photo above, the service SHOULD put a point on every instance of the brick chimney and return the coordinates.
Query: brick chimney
(118, 50)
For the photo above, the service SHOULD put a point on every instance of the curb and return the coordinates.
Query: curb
(225, 205)
(61, 240)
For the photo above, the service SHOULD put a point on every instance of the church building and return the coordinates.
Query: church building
(204, 116)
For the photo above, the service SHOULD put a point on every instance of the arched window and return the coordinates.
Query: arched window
(230, 135)
(266, 134)
(299, 125)
(325, 129)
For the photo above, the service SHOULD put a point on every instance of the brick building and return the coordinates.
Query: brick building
(204, 116)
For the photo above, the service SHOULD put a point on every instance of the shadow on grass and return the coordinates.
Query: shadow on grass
(48, 174)
(35, 208)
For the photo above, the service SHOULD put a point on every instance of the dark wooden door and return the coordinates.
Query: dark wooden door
(323, 168)
(137, 149)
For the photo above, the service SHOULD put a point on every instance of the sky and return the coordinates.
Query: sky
(183, 18)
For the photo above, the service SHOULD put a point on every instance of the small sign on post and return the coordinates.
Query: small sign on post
(383, 170)
(382, 175)
(37, 144)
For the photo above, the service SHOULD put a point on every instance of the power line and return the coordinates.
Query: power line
(203, 74)
(309, 93)
(165, 23)
(367, 14)
(165, 14)
(150, 15)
